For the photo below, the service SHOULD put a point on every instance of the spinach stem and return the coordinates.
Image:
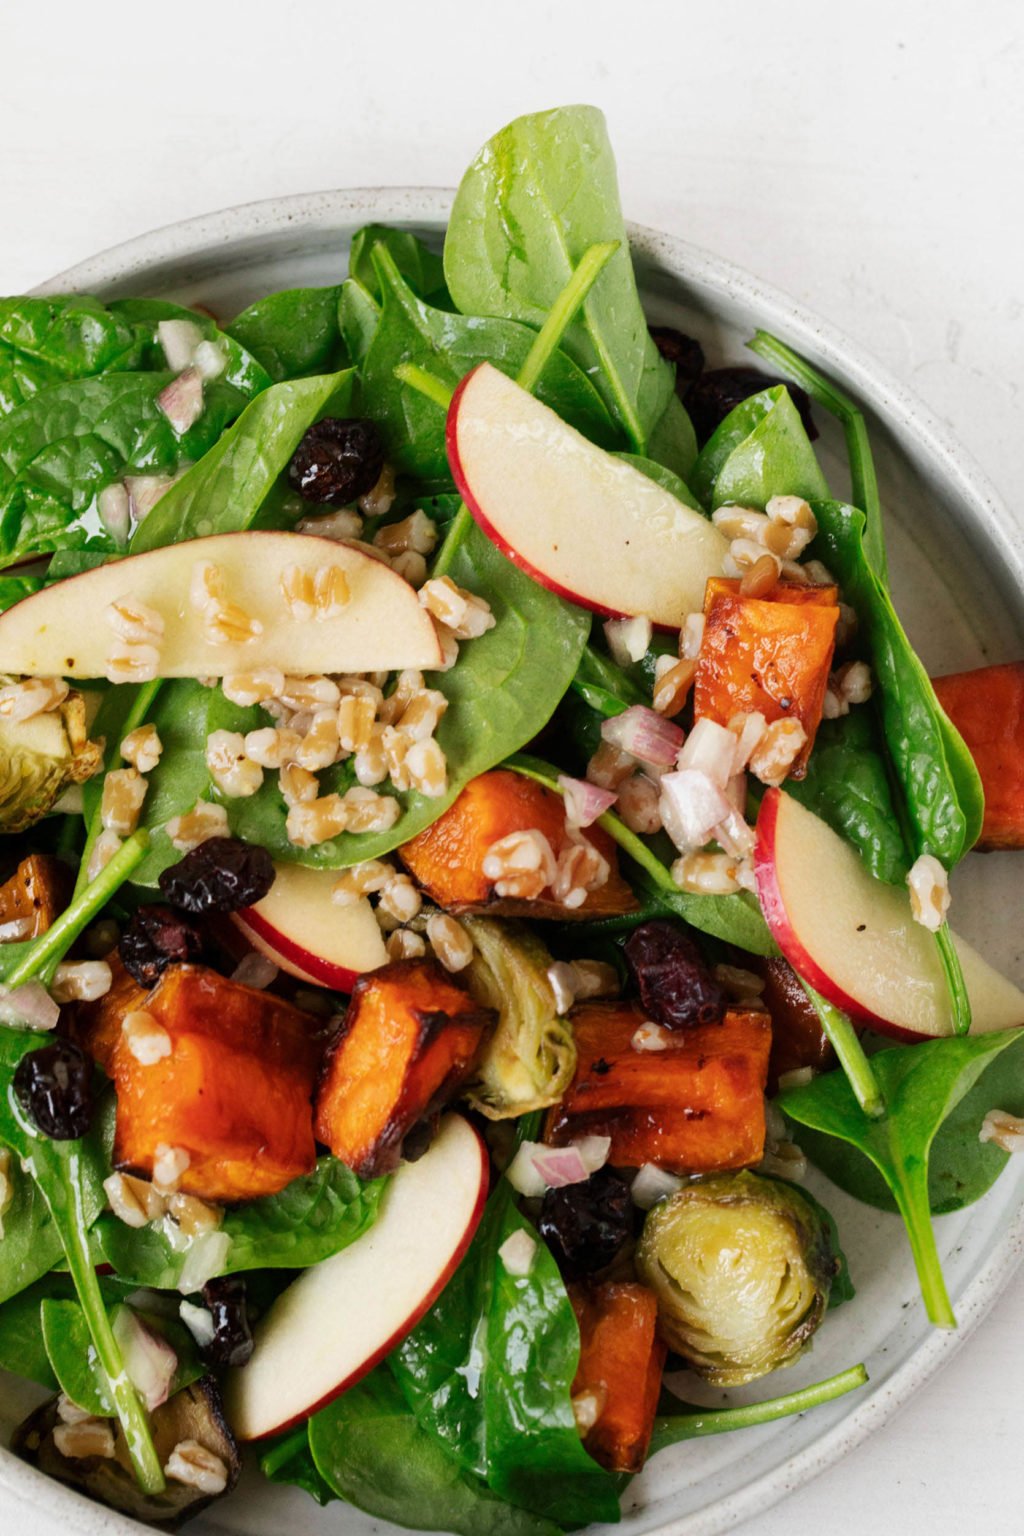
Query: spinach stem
(130, 1411)
(46, 954)
(460, 525)
(136, 715)
(912, 1198)
(844, 1040)
(958, 995)
(669, 1429)
(563, 311)
(425, 383)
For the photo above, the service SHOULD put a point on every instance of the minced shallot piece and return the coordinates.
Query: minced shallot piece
(929, 892)
(584, 802)
(517, 1253)
(691, 806)
(644, 735)
(182, 400)
(629, 640)
(710, 748)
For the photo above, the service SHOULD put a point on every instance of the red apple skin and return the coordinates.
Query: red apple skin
(291, 957)
(480, 517)
(407, 1327)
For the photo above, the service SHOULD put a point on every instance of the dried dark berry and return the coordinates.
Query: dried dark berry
(155, 938)
(337, 460)
(586, 1224)
(232, 1342)
(684, 351)
(221, 875)
(675, 986)
(54, 1085)
(714, 395)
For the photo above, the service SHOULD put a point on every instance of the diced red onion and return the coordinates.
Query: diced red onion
(148, 1359)
(692, 806)
(559, 1166)
(29, 1007)
(645, 735)
(734, 835)
(593, 1150)
(748, 729)
(629, 640)
(114, 507)
(523, 1174)
(517, 1253)
(736, 792)
(584, 802)
(206, 1257)
(711, 749)
(144, 491)
(209, 358)
(179, 339)
(182, 400)
(653, 1184)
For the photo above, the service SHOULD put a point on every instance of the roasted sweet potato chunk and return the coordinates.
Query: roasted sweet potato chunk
(697, 1106)
(987, 708)
(770, 655)
(448, 858)
(621, 1361)
(32, 898)
(410, 1039)
(97, 1025)
(233, 1091)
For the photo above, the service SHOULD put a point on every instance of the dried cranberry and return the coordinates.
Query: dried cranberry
(672, 979)
(715, 394)
(55, 1086)
(586, 1224)
(684, 351)
(337, 460)
(221, 875)
(232, 1342)
(155, 938)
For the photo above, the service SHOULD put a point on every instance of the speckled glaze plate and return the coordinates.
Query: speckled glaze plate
(958, 572)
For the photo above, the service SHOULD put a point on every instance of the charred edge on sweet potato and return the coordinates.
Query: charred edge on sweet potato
(447, 859)
(410, 1039)
(987, 708)
(33, 897)
(621, 1361)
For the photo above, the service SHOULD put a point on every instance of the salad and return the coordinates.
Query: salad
(476, 833)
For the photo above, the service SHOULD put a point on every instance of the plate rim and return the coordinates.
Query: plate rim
(303, 213)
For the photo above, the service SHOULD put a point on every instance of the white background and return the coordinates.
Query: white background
(866, 156)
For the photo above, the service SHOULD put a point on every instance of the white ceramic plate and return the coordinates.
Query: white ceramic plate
(958, 562)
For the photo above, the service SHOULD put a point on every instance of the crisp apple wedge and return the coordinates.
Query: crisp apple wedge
(377, 622)
(853, 937)
(300, 928)
(579, 520)
(337, 1320)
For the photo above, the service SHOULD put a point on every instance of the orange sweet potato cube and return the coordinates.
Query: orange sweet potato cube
(987, 708)
(621, 1361)
(410, 1039)
(234, 1092)
(696, 1106)
(766, 654)
(32, 898)
(447, 859)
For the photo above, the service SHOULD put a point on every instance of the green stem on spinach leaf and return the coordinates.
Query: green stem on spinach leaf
(863, 480)
(50, 948)
(844, 1040)
(911, 1194)
(425, 383)
(563, 311)
(141, 706)
(669, 1429)
(955, 982)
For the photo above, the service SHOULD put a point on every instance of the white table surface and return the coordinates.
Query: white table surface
(868, 158)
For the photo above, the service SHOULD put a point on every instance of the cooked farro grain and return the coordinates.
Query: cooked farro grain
(706, 874)
(234, 774)
(80, 981)
(400, 899)
(298, 786)
(229, 624)
(354, 722)
(192, 1464)
(90, 1437)
(450, 942)
(32, 696)
(426, 768)
(1006, 1130)
(272, 746)
(206, 587)
(320, 747)
(777, 750)
(638, 804)
(379, 500)
(344, 526)
(371, 763)
(130, 663)
(404, 944)
(760, 578)
(134, 621)
(134, 1201)
(203, 821)
(124, 790)
(610, 767)
(361, 880)
(255, 687)
(103, 850)
(142, 748)
(417, 532)
(301, 693)
(672, 683)
(370, 812)
(316, 821)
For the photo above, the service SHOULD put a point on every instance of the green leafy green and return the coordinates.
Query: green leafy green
(759, 451)
(289, 1460)
(241, 369)
(418, 265)
(847, 785)
(602, 684)
(22, 1350)
(358, 319)
(31, 1245)
(14, 588)
(312, 1218)
(293, 333)
(66, 336)
(489, 1373)
(368, 1448)
(533, 200)
(68, 1343)
(922, 1085)
(228, 489)
(670, 1429)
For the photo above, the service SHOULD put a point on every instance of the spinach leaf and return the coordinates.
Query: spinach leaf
(921, 1085)
(489, 1372)
(293, 333)
(241, 368)
(369, 1450)
(942, 790)
(14, 588)
(31, 1244)
(289, 1460)
(449, 346)
(961, 1167)
(673, 443)
(358, 319)
(22, 1351)
(230, 486)
(670, 1429)
(420, 267)
(68, 1343)
(760, 450)
(847, 785)
(602, 684)
(535, 198)
(312, 1218)
(65, 336)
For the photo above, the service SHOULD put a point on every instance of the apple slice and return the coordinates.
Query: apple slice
(854, 938)
(300, 928)
(63, 630)
(339, 1318)
(579, 520)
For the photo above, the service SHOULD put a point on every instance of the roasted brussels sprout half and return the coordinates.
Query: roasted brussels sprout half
(40, 758)
(742, 1268)
(530, 1059)
(193, 1414)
